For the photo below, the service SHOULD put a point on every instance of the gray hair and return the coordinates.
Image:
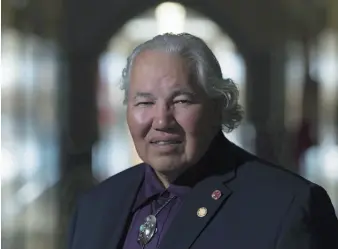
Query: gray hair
(205, 68)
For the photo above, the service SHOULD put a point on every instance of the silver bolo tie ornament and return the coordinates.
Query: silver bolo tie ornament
(147, 230)
(149, 226)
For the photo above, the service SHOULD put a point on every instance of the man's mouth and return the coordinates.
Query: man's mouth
(166, 142)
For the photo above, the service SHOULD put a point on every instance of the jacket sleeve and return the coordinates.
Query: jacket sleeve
(310, 223)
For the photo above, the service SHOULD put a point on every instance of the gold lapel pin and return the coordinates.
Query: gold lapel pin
(201, 212)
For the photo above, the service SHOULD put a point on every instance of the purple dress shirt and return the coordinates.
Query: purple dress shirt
(151, 197)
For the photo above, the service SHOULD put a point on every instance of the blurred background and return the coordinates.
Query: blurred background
(63, 125)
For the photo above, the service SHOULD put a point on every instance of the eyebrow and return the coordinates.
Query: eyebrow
(173, 95)
(183, 92)
(143, 95)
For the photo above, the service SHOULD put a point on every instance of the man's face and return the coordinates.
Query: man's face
(171, 119)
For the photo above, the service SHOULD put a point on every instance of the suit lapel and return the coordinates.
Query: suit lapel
(222, 161)
(187, 225)
(118, 211)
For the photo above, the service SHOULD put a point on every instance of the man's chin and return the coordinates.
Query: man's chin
(166, 169)
(169, 168)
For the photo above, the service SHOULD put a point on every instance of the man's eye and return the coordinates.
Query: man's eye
(144, 103)
(182, 101)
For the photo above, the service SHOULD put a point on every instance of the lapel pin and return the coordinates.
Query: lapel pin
(216, 194)
(201, 212)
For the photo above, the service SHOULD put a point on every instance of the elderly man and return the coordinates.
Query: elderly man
(195, 188)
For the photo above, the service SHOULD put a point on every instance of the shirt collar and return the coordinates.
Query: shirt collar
(152, 187)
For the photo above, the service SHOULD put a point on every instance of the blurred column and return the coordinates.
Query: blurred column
(277, 127)
(78, 108)
(265, 97)
(307, 135)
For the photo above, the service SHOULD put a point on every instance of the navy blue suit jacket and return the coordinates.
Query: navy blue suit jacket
(262, 206)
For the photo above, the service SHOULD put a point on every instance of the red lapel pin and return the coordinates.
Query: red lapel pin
(216, 194)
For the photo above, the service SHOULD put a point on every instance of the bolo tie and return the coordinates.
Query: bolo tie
(149, 227)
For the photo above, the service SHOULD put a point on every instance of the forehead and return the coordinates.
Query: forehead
(154, 65)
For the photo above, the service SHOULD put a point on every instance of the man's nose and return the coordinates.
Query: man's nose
(163, 118)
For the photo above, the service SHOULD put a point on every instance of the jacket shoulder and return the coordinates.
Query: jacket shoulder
(271, 177)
